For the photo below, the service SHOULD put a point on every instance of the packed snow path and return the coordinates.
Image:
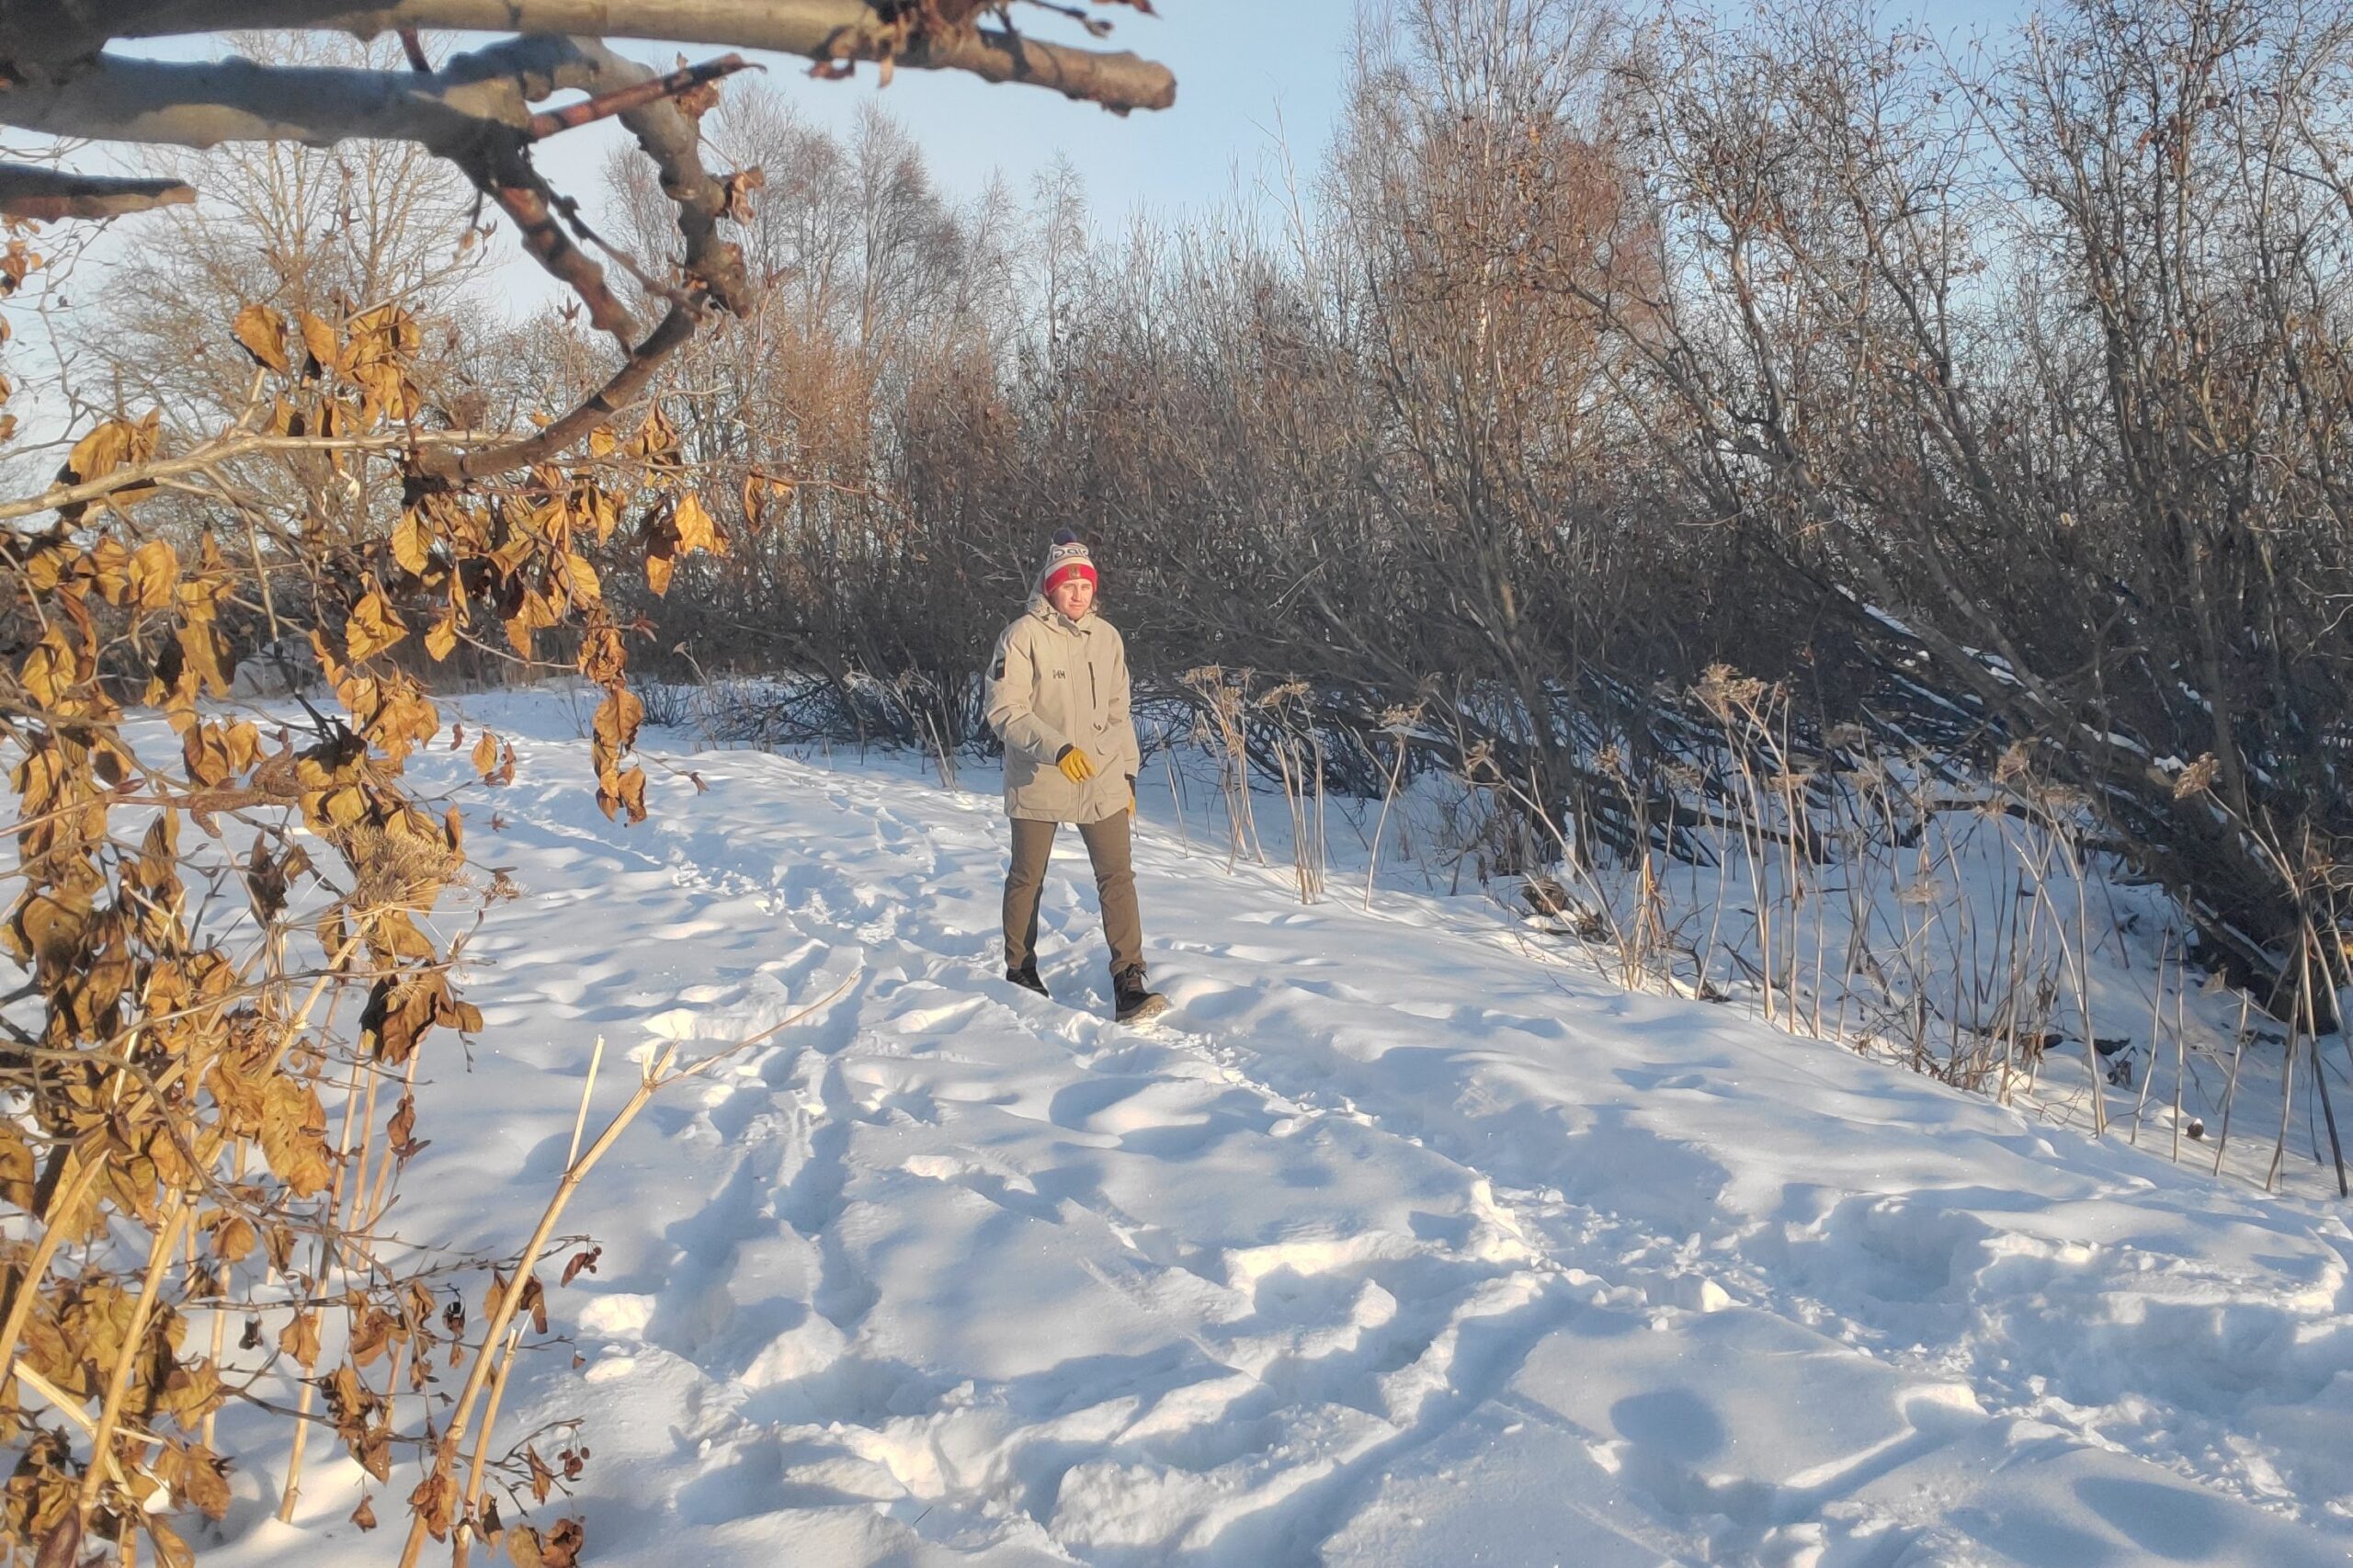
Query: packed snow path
(1398, 1241)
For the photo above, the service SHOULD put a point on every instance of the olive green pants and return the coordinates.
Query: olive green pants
(1115, 881)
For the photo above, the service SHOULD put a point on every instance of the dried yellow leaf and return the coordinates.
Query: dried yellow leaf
(696, 530)
(412, 544)
(374, 627)
(318, 338)
(155, 571)
(581, 578)
(263, 332)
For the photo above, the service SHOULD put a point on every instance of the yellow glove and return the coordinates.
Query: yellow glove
(1077, 766)
(1132, 797)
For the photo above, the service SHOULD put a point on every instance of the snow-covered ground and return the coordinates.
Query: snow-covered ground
(1404, 1240)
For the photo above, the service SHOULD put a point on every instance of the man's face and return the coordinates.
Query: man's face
(1073, 595)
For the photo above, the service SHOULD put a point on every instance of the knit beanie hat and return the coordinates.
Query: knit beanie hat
(1068, 558)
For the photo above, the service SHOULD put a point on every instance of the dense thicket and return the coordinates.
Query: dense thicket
(1994, 400)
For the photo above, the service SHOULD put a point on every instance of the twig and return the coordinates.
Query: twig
(67, 1198)
(237, 444)
(656, 1076)
(463, 1530)
(580, 1122)
(591, 413)
(1177, 801)
(604, 106)
(517, 191)
(159, 1261)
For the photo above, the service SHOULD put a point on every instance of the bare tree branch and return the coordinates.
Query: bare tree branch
(591, 413)
(204, 105)
(825, 31)
(224, 449)
(671, 140)
(548, 123)
(474, 111)
(517, 190)
(29, 191)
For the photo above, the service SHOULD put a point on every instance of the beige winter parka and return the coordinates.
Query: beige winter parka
(1055, 682)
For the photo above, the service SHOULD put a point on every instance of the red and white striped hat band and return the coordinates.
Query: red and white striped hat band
(1068, 558)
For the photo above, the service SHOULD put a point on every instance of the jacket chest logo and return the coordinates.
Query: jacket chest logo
(1061, 674)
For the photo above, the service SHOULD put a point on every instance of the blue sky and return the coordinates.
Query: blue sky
(1240, 64)
(1248, 71)
(1254, 76)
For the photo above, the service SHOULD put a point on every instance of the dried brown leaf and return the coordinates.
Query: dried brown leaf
(430, 1502)
(300, 1339)
(374, 627)
(543, 1478)
(262, 330)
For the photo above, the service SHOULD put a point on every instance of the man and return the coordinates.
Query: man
(1058, 699)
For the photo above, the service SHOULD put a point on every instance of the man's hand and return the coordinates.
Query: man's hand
(1077, 766)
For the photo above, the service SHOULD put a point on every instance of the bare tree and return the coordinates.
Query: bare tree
(475, 111)
(330, 232)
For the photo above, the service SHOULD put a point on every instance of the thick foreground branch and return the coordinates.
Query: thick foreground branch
(204, 104)
(814, 29)
(474, 111)
(27, 190)
(478, 97)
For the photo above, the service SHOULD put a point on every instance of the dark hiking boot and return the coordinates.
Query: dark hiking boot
(1131, 1003)
(1026, 978)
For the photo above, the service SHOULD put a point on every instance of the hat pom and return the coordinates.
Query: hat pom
(1068, 558)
